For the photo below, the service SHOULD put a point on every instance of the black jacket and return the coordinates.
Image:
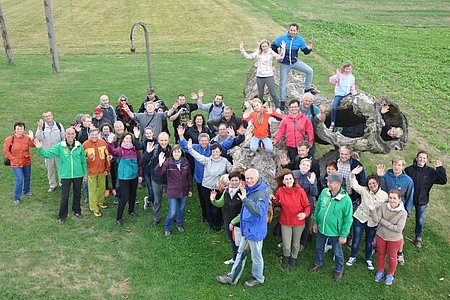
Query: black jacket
(424, 178)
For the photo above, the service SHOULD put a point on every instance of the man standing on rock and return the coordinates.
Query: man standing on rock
(294, 43)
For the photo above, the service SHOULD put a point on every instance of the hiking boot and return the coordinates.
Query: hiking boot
(252, 282)
(401, 259)
(418, 242)
(338, 276)
(351, 261)
(378, 276)
(78, 215)
(285, 262)
(119, 223)
(282, 106)
(225, 279)
(102, 205)
(369, 265)
(314, 268)
(292, 263)
(61, 221)
(97, 213)
(389, 279)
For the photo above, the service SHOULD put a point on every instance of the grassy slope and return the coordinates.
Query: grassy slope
(93, 259)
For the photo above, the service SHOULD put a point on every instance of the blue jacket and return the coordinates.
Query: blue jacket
(292, 47)
(254, 212)
(403, 183)
(198, 167)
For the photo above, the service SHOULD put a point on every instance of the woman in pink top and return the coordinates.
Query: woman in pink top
(264, 71)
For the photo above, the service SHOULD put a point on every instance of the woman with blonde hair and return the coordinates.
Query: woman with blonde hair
(264, 71)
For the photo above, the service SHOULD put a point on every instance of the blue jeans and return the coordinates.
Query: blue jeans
(85, 190)
(358, 229)
(257, 258)
(299, 66)
(176, 208)
(420, 217)
(234, 248)
(336, 102)
(148, 182)
(321, 240)
(254, 144)
(22, 180)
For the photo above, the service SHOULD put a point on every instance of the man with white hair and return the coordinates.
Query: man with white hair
(253, 218)
(109, 113)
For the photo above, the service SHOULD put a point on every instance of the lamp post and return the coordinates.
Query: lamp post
(51, 35)
(6, 44)
(147, 49)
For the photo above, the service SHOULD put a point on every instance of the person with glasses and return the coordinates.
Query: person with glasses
(122, 115)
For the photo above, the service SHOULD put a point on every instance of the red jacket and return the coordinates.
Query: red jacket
(19, 155)
(292, 201)
(295, 130)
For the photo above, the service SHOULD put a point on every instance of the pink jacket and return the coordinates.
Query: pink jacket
(295, 130)
(345, 84)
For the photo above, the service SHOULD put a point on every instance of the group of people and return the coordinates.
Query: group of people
(133, 148)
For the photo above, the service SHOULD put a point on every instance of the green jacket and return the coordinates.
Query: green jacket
(334, 215)
(72, 163)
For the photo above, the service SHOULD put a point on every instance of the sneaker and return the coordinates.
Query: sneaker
(167, 232)
(51, 189)
(282, 106)
(102, 205)
(312, 90)
(229, 262)
(119, 223)
(16, 202)
(369, 265)
(225, 279)
(280, 245)
(328, 248)
(106, 193)
(78, 215)
(29, 195)
(133, 214)
(292, 263)
(252, 282)
(114, 192)
(97, 213)
(378, 276)
(331, 127)
(301, 248)
(389, 279)
(351, 261)
(61, 221)
(401, 259)
(181, 228)
(418, 242)
(146, 202)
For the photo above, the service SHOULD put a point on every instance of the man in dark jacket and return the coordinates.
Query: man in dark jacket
(424, 177)
(152, 97)
(255, 205)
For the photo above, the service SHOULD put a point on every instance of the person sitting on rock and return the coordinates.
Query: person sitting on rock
(345, 85)
(260, 120)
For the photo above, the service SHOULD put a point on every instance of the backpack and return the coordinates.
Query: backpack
(57, 125)
(6, 161)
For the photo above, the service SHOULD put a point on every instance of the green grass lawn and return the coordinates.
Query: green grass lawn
(195, 45)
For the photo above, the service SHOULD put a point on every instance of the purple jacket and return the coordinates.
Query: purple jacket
(179, 181)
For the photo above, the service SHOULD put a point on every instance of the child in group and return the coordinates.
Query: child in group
(264, 71)
(345, 85)
(260, 120)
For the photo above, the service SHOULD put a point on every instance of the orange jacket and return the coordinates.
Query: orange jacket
(19, 155)
(261, 130)
(100, 162)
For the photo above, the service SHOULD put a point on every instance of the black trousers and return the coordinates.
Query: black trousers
(65, 189)
(213, 213)
(127, 194)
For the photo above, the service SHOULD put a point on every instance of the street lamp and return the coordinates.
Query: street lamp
(147, 49)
